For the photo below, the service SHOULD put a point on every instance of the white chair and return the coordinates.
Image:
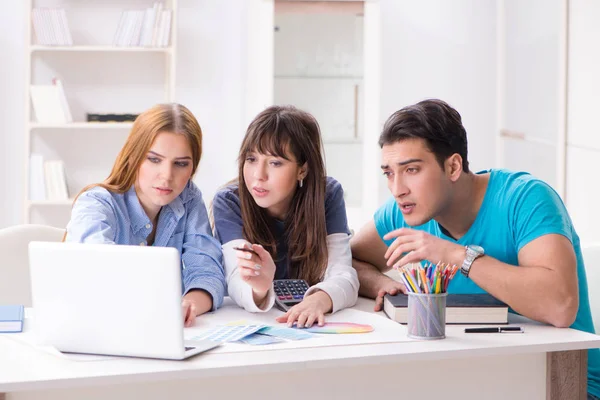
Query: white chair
(591, 258)
(15, 285)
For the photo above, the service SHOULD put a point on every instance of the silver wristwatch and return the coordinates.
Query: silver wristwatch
(473, 252)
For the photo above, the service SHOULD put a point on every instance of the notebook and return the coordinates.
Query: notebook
(460, 309)
(11, 318)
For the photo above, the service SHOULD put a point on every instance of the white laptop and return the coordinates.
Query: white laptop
(109, 299)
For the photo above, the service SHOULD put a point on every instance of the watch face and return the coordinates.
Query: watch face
(477, 249)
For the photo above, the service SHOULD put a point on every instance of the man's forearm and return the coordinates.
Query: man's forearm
(534, 292)
(370, 278)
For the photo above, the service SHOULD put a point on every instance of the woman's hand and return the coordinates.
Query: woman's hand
(194, 303)
(311, 309)
(257, 269)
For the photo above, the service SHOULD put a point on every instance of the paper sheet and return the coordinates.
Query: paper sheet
(29, 339)
(385, 330)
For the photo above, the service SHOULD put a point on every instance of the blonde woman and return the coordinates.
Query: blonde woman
(149, 199)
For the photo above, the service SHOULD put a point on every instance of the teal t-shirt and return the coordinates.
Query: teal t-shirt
(517, 208)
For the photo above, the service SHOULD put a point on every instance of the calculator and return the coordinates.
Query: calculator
(289, 292)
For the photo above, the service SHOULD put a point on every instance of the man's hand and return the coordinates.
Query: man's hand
(390, 287)
(413, 246)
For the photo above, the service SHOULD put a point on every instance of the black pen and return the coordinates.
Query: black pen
(247, 250)
(496, 329)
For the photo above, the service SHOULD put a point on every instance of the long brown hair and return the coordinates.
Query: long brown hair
(172, 118)
(282, 131)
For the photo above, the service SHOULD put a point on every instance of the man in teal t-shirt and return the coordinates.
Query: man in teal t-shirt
(509, 232)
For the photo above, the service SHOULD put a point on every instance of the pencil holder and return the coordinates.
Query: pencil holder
(426, 316)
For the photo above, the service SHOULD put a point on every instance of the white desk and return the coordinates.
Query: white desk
(462, 366)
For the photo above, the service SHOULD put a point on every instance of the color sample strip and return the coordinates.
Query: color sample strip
(285, 333)
(339, 327)
(257, 339)
(229, 333)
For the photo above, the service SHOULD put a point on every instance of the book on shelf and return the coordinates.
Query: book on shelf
(55, 180)
(146, 28)
(47, 179)
(51, 27)
(50, 103)
(111, 117)
(37, 181)
(481, 308)
(11, 318)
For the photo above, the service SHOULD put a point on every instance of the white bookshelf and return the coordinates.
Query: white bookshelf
(98, 77)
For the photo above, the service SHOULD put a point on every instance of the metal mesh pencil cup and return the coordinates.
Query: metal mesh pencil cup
(426, 316)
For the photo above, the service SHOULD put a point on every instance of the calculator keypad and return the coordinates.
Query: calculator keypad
(290, 290)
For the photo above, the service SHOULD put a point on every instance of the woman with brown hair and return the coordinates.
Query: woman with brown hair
(291, 215)
(149, 199)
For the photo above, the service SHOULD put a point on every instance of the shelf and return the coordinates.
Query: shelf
(346, 77)
(83, 125)
(67, 202)
(99, 48)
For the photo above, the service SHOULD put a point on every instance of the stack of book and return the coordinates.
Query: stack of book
(51, 27)
(147, 28)
(50, 103)
(47, 179)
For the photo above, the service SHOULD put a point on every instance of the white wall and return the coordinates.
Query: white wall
(12, 110)
(583, 144)
(532, 95)
(211, 82)
(442, 49)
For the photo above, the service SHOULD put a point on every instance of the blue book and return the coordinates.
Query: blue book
(11, 318)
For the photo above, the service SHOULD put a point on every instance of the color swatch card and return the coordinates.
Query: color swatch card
(339, 327)
(258, 339)
(228, 333)
(285, 333)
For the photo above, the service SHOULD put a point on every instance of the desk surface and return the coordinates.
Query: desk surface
(23, 367)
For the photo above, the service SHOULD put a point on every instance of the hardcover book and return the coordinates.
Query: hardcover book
(460, 309)
(11, 318)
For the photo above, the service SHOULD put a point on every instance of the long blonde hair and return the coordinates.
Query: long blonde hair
(279, 130)
(172, 118)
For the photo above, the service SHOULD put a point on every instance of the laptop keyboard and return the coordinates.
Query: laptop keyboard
(189, 348)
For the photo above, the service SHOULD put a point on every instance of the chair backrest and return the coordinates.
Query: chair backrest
(15, 287)
(591, 258)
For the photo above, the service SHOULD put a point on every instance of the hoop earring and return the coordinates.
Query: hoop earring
(301, 182)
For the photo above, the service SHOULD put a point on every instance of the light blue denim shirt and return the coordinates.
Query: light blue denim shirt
(100, 216)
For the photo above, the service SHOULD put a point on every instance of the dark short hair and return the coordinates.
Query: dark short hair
(435, 122)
